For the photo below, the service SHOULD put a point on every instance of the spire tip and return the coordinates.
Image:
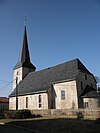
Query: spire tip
(25, 19)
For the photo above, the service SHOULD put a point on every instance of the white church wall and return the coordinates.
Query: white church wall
(70, 101)
(92, 103)
(17, 74)
(30, 102)
(12, 103)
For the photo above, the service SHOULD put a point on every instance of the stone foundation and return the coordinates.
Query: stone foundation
(87, 114)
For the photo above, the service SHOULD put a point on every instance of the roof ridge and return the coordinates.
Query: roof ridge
(54, 66)
(82, 67)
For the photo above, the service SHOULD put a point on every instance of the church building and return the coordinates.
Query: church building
(69, 85)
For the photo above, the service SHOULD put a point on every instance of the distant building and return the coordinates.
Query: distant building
(4, 103)
(69, 85)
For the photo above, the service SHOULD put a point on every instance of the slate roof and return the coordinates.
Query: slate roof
(90, 92)
(40, 81)
(24, 57)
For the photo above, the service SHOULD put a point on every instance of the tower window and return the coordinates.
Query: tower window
(62, 94)
(16, 80)
(17, 73)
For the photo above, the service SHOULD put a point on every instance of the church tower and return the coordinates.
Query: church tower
(24, 65)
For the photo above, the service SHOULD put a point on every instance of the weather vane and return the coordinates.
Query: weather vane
(25, 21)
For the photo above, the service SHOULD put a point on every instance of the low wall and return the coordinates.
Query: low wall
(86, 113)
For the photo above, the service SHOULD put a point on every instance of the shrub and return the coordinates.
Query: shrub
(79, 115)
(18, 114)
(2, 114)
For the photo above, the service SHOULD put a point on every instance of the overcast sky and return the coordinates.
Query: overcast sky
(57, 30)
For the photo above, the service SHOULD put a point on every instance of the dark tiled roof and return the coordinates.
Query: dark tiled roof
(90, 92)
(24, 57)
(4, 100)
(41, 80)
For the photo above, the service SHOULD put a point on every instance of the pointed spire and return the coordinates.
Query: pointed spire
(24, 57)
(24, 53)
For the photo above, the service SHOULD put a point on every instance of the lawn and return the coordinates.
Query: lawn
(57, 124)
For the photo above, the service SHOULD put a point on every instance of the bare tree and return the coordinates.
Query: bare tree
(98, 81)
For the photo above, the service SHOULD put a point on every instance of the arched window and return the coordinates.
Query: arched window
(40, 100)
(26, 102)
(17, 72)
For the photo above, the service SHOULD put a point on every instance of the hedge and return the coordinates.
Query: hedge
(17, 114)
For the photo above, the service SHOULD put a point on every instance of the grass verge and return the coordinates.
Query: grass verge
(56, 124)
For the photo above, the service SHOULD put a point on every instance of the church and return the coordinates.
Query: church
(69, 85)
